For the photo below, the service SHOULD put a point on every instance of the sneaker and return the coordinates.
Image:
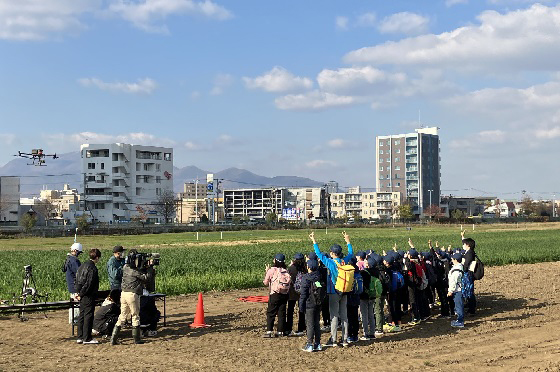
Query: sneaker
(365, 338)
(414, 322)
(91, 342)
(295, 334)
(330, 343)
(345, 343)
(151, 333)
(308, 348)
(393, 329)
(456, 324)
(281, 334)
(378, 333)
(269, 334)
(317, 347)
(326, 328)
(79, 341)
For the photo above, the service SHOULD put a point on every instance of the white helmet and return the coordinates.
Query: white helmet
(76, 247)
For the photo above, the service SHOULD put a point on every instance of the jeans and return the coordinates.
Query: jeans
(290, 318)
(338, 311)
(276, 306)
(459, 307)
(85, 319)
(378, 304)
(368, 319)
(312, 322)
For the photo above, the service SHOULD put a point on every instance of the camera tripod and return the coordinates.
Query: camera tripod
(29, 292)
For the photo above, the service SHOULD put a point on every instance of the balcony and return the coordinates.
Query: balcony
(412, 160)
(412, 194)
(412, 169)
(119, 189)
(411, 152)
(120, 199)
(412, 143)
(98, 198)
(412, 178)
(118, 175)
(96, 185)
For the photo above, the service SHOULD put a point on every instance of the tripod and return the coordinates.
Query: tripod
(29, 291)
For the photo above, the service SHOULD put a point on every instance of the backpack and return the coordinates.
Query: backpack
(345, 278)
(318, 292)
(431, 274)
(375, 289)
(477, 268)
(297, 283)
(467, 285)
(281, 281)
(358, 286)
(385, 279)
(397, 280)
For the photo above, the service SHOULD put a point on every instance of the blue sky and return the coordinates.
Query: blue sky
(291, 87)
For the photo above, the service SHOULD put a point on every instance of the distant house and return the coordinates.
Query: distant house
(501, 209)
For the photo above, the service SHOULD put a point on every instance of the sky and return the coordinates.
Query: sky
(297, 88)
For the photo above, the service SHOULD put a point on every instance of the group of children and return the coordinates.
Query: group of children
(345, 288)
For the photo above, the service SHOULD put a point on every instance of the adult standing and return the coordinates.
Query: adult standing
(70, 268)
(115, 267)
(87, 286)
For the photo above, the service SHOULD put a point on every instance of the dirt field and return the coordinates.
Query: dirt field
(516, 329)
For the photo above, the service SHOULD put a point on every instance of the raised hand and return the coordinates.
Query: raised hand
(346, 237)
(312, 237)
(410, 243)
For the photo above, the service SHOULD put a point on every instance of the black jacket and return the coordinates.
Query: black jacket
(305, 299)
(106, 318)
(467, 259)
(366, 277)
(87, 280)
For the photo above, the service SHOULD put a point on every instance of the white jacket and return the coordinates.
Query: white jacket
(454, 277)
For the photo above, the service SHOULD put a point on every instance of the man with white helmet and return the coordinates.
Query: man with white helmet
(70, 267)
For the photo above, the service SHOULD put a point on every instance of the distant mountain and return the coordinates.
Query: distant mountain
(67, 169)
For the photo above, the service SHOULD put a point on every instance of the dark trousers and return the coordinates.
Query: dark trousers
(290, 318)
(471, 305)
(85, 319)
(276, 306)
(422, 301)
(413, 304)
(394, 309)
(326, 313)
(442, 295)
(312, 321)
(353, 320)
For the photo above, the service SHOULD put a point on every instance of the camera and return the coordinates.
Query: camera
(28, 269)
(154, 257)
(142, 260)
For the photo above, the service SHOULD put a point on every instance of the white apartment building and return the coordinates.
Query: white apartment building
(369, 205)
(9, 199)
(410, 164)
(120, 179)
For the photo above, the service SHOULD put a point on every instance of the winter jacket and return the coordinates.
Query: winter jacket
(468, 258)
(87, 280)
(305, 299)
(366, 277)
(106, 317)
(292, 294)
(115, 271)
(71, 266)
(455, 276)
(135, 280)
(331, 265)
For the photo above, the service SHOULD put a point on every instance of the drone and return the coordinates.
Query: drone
(37, 156)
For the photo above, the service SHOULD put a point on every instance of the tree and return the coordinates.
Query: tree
(82, 223)
(528, 206)
(433, 211)
(45, 208)
(457, 214)
(204, 218)
(404, 211)
(271, 218)
(166, 205)
(27, 221)
(141, 216)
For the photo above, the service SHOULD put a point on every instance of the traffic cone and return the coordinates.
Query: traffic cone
(199, 316)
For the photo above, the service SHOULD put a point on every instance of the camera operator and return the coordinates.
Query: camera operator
(137, 273)
(115, 267)
(87, 286)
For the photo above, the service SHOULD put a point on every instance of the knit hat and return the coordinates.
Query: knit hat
(390, 259)
(401, 253)
(280, 257)
(371, 261)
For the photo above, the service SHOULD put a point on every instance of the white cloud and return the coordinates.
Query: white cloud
(7, 138)
(40, 19)
(195, 95)
(358, 80)
(143, 86)
(219, 144)
(70, 141)
(548, 133)
(194, 146)
(320, 164)
(341, 23)
(148, 14)
(366, 20)
(279, 80)
(337, 143)
(313, 101)
(527, 39)
(221, 82)
(404, 23)
(480, 140)
(450, 3)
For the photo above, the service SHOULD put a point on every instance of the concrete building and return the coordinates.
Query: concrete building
(450, 203)
(9, 200)
(410, 164)
(193, 203)
(121, 179)
(309, 203)
(366, 205)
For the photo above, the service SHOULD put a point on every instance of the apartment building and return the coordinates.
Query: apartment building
(309, 203)
(9, 199)
(410, 164)
(193, 203)
(253, 203)
(121, 179)
(368, 205)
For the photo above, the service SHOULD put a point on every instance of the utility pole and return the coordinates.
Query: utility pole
(431, 209)
(554, 205)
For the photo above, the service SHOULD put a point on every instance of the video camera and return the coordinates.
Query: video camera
(142, 260)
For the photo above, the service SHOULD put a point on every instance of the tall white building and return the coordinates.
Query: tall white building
(9, 199)
(410, 164)
(122, 181)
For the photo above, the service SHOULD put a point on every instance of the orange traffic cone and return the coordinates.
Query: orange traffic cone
(199, 316)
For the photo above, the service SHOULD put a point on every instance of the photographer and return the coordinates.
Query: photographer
(87, 286)
(137, 273)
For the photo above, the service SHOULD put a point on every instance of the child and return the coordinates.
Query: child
(279, 282)
(337, 300)
(469, 266)
(353, 303)
(394, 305)
(325, 305)
(297, 268)
(313, 294)
(361, 257)
(454, 290)
(367, 299)
(106, 317)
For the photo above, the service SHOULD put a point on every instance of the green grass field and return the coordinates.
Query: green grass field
(238, 260)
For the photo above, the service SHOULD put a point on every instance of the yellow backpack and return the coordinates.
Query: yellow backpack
(345, 278)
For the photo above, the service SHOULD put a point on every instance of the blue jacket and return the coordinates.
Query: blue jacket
(115, 271)
(331, 265)
(71, 266)
(305, 300)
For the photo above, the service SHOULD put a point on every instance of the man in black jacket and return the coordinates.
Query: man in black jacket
(87, 285)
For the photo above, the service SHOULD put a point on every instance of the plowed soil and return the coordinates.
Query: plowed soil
(516, 329)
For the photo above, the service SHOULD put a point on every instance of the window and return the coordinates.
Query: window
(381, 152)
(158, 191)
(397, 142)
(102, 165)
(146, 179)
(380, 143)
(398, 151)
(397, 159)
(389, 184)
(381, 161)
(90, 178)
(138, 191)
(398, 184)
(397, 167)
(91, 166)
(158, 167)
(388, 177)
(381, 168)
(381, 177)
(388, 160)
(158, 179)
(388, 143)
(167, 156)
